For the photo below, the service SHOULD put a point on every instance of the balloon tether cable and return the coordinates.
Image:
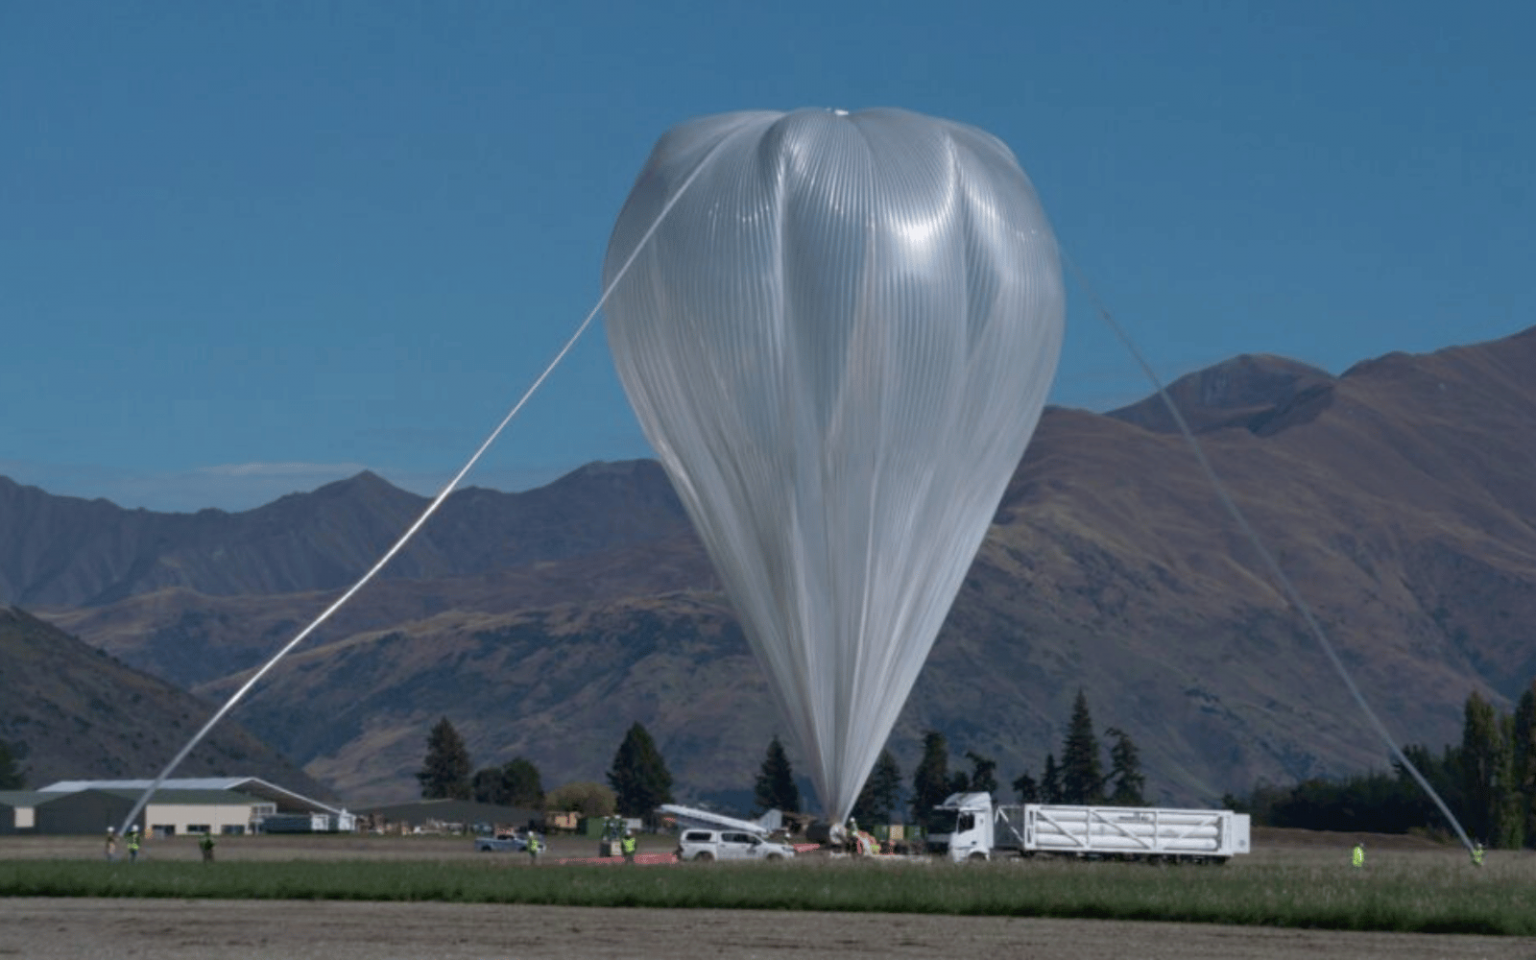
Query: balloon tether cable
(431, 508)
(1292, 595)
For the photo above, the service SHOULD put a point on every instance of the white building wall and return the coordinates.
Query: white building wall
(183, 817)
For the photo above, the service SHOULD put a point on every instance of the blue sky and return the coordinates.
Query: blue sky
(250, 248)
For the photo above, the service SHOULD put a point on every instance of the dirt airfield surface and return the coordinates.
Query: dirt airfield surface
(88, 929)
(83, 929)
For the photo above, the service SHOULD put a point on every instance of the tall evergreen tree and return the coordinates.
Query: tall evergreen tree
(881, 793)
(775, 788)
(11, 775)
(930, 781)
(1125, 770)
(1050, 781)
(639, 776)
(445, 773)
(1082, 776)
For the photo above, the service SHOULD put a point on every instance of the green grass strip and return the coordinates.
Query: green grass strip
(1447, 898)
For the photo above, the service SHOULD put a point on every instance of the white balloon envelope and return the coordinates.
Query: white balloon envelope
(838, 342)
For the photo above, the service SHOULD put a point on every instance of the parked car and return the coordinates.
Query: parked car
(729, 845)
(501, 843)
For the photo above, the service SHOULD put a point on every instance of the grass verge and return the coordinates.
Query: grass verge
(1429, 898)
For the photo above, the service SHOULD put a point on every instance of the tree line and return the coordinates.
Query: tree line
(1488, 781)
(1079, 778)
(638, 780)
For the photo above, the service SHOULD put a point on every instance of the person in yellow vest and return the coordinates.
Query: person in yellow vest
(628, 846)
(1357, 858)
(534, 848)
(206, 844)
(1477, 855)
(133, 844)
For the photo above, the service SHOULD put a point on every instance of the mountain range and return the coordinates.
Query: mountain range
(1396, 497)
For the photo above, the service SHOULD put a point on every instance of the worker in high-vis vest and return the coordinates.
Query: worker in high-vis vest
(206, 844)
(1358, 857)
(133, 844)
(1477, 855)
(533, 848)
(628, 846)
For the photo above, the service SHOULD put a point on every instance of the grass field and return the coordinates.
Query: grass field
(1422, 891)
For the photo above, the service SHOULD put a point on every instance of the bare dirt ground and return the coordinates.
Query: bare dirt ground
(254, 930)
(81, 929)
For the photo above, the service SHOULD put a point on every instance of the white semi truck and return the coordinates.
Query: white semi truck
(971, 827)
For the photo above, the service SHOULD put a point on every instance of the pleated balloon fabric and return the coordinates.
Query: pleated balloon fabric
(838, 342)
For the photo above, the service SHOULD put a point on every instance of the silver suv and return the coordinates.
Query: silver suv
(729, 845)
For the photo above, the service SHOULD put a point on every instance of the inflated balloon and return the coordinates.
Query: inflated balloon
(838, 341)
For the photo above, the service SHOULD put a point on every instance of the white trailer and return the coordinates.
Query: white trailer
(976, 829)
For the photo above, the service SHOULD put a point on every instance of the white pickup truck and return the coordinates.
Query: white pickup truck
(971, 827)
(705, 845)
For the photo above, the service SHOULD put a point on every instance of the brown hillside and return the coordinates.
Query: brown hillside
(1397, 497)
(80, 714)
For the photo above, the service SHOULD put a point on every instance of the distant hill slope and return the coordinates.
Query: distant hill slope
(68, 552)
(80, 714)
(1397, 496)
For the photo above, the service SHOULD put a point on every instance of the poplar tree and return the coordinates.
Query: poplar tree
(1082, 777)
(639, 776)
(1487, 766)
(1525, 762)
(445, 773)
(775, 788)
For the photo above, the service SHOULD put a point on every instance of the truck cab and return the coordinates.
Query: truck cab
(962, 827)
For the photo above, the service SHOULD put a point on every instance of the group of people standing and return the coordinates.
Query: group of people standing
(627, 845)
(133, 841)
